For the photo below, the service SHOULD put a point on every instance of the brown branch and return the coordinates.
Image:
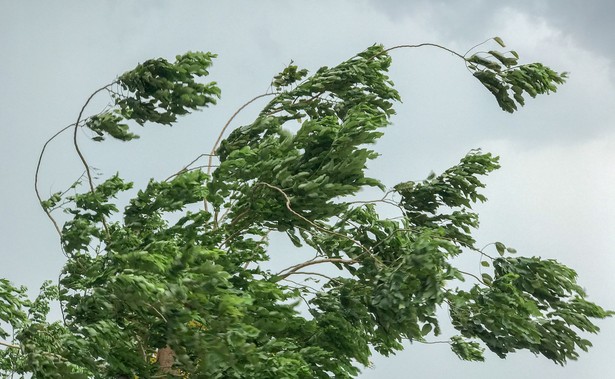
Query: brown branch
(187, 167)
(9, 345)
(228, 122)
(316, 226)
(308, 273)
(76, 144)
(293, 269)
(472, 275)
(36, 175)
(422, 45)
(81, 156)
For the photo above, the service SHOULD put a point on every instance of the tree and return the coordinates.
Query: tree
(175, 283)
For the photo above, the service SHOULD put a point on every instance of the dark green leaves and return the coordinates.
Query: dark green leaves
(109, 123)
(508, 81)
(159, 91)
(530, 304)
(456, 189)
(162, 272)
(290, 75)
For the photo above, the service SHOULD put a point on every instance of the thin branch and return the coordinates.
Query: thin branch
(422, 45)
(310, 273)
(477, 45)
(293, 269)
(433, 342)
(316, 226)
(76, 144)
(9, 345)
(472, 275)
(36, 175)
(187, 167)
(228, 122)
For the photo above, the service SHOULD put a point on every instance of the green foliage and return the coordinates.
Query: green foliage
(503, 77)
(164, 272)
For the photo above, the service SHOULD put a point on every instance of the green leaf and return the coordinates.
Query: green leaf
(499, 246)
(499, 41)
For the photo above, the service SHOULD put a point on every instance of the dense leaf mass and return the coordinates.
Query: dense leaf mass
(166, 279)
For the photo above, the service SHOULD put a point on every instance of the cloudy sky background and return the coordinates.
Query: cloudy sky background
(553, 196)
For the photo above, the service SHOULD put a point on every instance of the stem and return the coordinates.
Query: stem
(9, 345)
(426, 44)
(217, 143)
(76, 144)
(472, 275)
(293, 269)
(316, 226)
(36, 175)
(81, 157)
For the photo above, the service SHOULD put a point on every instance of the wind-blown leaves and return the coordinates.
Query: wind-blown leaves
(158, 275)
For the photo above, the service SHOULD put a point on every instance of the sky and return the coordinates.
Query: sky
(553, 196)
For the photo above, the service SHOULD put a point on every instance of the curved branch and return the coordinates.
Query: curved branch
(81, 156)
(217, 143)
(316, 226)
(187, 167)
(76, 144)
(308, 273)
(219, 139)
(426, 44)
(36, 175)
(293, 269)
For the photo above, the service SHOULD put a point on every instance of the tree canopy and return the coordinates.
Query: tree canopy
(174, 282)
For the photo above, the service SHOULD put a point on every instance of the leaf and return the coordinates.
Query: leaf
(484, 263)
(499, 41)
(499, 246)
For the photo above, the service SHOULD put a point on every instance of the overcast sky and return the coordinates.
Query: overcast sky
(553, 197)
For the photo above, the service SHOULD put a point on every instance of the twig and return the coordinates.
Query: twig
(186, 167)
(36, 174)
(217, 143)
(76, 144)
(308, 273)
(472, 275)
(316, 226)
(81, 157)
(293, 269)
(422, 45)
(9, 345)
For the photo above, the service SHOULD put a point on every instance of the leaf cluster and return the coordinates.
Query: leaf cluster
(164, 274)
(508, 81)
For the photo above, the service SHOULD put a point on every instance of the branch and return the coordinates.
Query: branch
(9, 345)
(309, 273)
(36, 174)
(81, 157)
(422, 45)
(228, 122)
(76, 144)
(186, 167)
(316, 226)
(472, 275)
(217, 143)
(293, 269)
